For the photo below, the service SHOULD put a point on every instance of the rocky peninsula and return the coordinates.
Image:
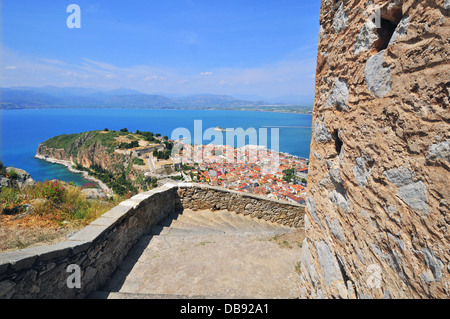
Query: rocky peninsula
(115, 160)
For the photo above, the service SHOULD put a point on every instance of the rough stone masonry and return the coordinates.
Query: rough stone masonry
(377, 220)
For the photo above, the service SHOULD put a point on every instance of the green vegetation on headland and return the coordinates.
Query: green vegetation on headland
(119, 182)
(72, 143)
(117, 158)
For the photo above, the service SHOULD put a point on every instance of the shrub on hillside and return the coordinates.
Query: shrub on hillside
(89, 185)
(9, 197)
(132, 144)
(138, 161)
(51, 190)
(13, 174)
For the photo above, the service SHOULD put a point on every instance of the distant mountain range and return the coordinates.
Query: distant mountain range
(57, 97)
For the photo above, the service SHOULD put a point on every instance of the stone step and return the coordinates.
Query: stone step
(240, 220)
(160, 230)
(216, 222)
(234, 220)
(185, 232)
(170, 231)
(231, 220)
(226, 221)
(207, 218)
(190, 224)
(191, 232)
(265, 222)
(259, 223)
(183, 222)
(201, 220)
(167, 222)
(127, 295)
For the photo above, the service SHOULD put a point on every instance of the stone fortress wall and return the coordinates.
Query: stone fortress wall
(42, 272)
(377, 221)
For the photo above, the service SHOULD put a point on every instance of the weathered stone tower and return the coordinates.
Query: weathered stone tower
(378, 218)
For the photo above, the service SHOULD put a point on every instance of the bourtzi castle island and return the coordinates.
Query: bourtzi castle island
(366, 217)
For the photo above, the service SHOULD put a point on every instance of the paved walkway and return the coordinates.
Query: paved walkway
(210, 255)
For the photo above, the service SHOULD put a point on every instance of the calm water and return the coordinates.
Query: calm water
(23, 130)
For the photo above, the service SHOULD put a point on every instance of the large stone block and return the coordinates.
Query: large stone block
(415, 196)
(366, 37)
(378, 75)
(439, 151)
(339, 96)
(320, 132)
(340, 21)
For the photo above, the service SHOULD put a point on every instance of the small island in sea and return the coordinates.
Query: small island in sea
(220, 129)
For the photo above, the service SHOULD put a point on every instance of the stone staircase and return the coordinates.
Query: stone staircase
(205, 254)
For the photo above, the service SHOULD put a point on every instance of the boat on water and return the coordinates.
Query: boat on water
(220, 129)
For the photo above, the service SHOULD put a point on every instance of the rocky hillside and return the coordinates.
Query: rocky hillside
(378, 189)
(86, 149)
(14, 177)
(106, 155)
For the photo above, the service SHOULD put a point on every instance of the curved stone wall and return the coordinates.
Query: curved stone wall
(198, 197)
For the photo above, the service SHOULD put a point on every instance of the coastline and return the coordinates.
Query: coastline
(160, 109)
(69, 165)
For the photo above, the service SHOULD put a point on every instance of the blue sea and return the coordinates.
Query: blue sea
(23, 130)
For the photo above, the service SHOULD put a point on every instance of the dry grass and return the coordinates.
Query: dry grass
(46, 222)
(290, 240)
(13, 237)
(122, 139)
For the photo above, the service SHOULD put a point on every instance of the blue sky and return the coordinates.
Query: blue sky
(265, 48)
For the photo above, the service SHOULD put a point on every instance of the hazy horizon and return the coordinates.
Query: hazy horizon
(81, 91)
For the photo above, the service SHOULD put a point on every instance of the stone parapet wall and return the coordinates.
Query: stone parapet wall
(98, 249)
(198, 197)
(377, 221)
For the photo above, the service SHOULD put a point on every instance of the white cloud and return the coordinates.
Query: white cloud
(105, 66)
(51, 61)
(276, 79)
(150, 78)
